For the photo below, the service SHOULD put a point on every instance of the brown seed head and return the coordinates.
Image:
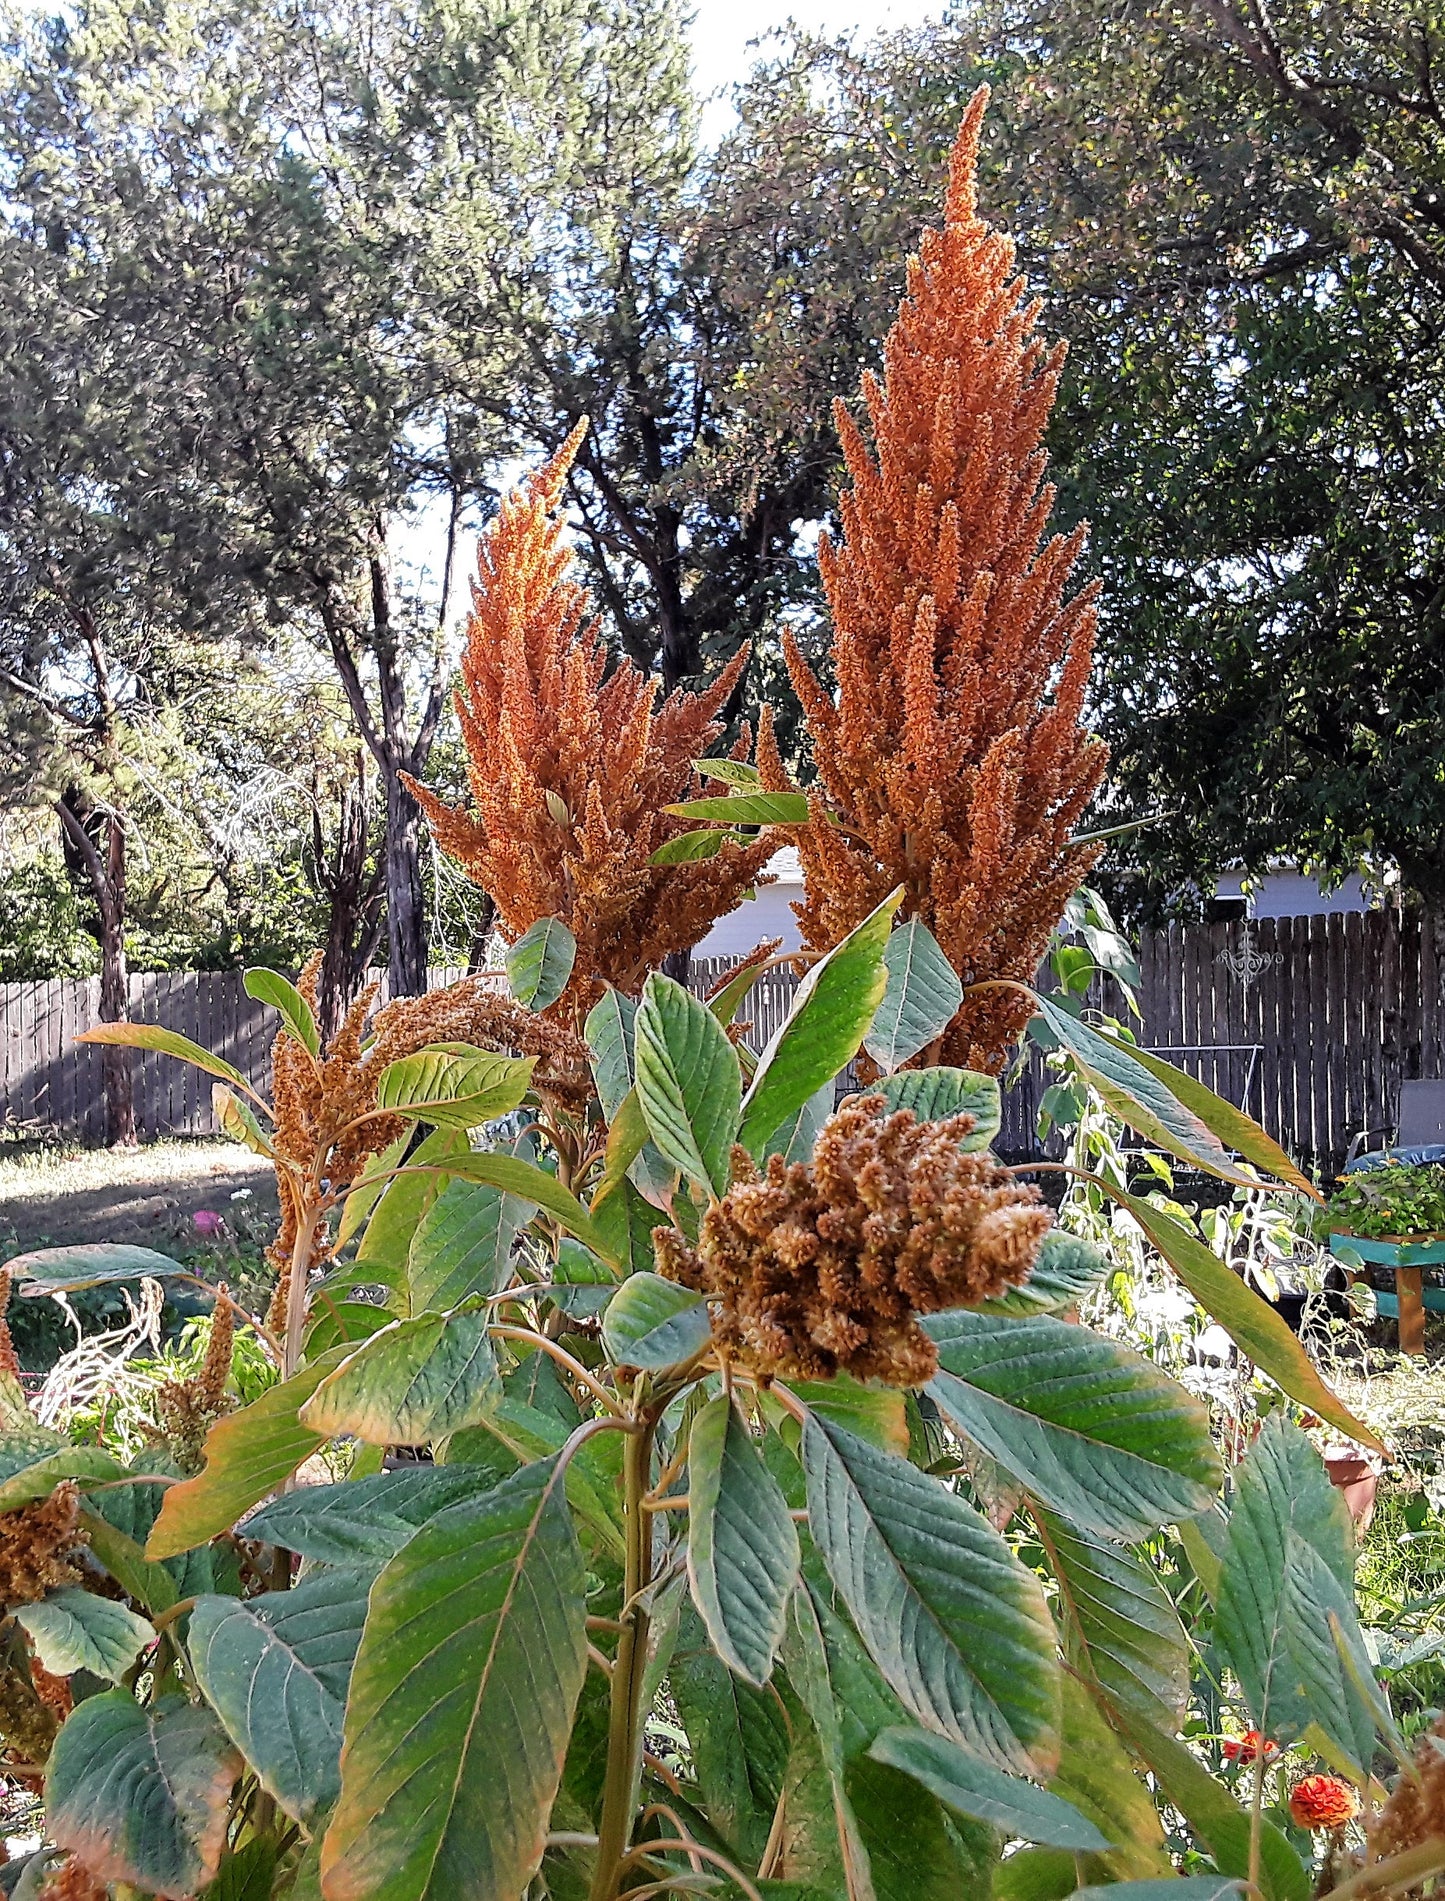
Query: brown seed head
(37, 1544)
(819, 1268)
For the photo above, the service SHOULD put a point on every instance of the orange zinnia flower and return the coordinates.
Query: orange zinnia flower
(1248, 1748)
(1323, 1802)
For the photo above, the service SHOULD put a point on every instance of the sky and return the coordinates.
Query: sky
(723, 29)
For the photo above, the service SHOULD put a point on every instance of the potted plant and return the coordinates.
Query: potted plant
(1392, 1214)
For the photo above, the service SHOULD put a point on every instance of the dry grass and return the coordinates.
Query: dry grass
(60, 1197)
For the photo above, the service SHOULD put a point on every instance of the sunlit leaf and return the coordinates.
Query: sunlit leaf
(269, 986)
(412, 1382)
(150, 1036)
(454, 1086)
(747, 808)
(91, 1264)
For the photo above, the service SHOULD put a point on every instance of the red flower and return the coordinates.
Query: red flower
(1323, 1802)
(1248, 1748)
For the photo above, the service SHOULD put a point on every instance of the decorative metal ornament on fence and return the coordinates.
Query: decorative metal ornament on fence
(1246, 962)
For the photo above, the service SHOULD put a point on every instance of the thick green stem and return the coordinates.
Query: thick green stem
(624, 1731)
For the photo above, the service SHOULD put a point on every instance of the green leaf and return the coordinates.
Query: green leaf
(530, 1433)
(93, 1264)
(1281, 1489)
(150, 1036)
(454, 1086)
(34, 1460)
(399, 1205)
(275, 1670)
(736, 772)
(921, 1000)
(747, 808)
(956, 1624)
(1320, 1622)
(363, 1521)
(915, 1852)
(1120, 1624)
(1250, 1322)
(742, 1545)
(833, 1007)
(463, 1246)
(526, 1182)
(1185, 1888)
(688, 1082)
(626, 1220)
(653, 1323)
(610, 1031)
(1218, 1822)
(688, 848)
(1097, 1777)
(796, 1139)
(877, 1414)
(248, 1454)
(726, 1002)
(414, 1381)
(149, 1584)
(1234, 1128)
(246, 1875)
(933, 1094)
(1085, 1424)
(237, 1119)
(141, 1795)
(738, 1739)
(461, 1702)
(539, 964)
(1066, 1271)
(1140, 1097)
(269, 986)
(581, 1285)
(985, 1794)
(74, 1630)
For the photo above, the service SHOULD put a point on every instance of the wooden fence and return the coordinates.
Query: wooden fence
(1308, 1023)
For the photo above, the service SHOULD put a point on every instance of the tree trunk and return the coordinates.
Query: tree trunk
(405, 899)
(95, 845)
(353, 924)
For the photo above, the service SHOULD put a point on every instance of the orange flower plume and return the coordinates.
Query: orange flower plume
(953, 752)
(570, 763)
(1323, 1802)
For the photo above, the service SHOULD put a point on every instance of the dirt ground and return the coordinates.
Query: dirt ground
(61, 1197)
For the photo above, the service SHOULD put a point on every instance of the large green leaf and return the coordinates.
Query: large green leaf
(738, 772)
(611, 1041)
(33, 1461)
(140, 1795)
(1250, 1322)
(1234, 1128)
(1327, 1654)
(237, 1120)
(957, 1625)
(150, 1036)
(93, 1264)
(1186, 1888)
(118, 1553)
(1067, 1269)
(738, 1740)
(461, 1702)
(915, 1852)
(363, 1521)
(920, 1001)
(626, 1219)
(414, 1381)
(1097, 1777)
(525, 1434)
(688, 847)
(1281, 1489)
(933, 1094)
(654, 1323)
(985, 1794)
(269, 986)
(1139, 1097)
(516, 1176)
(248, 1454)
(392, 1210)
(1085, 1424)
(463, 1246)
(454, 1086)
(798, 1136)
(1120, 1624)
(275, 1670)
(747, 808)
(822, 1033)
(1217, 1821)
(247, 1875)
(878, 1414)
(742, 1545)
(539, 964)
(75, 1630)
(810, 1677)
(688, 1082)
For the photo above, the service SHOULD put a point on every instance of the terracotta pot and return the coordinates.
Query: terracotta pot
(1357, 1474)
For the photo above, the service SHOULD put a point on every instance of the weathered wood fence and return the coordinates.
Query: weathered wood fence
(1309, 1023)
